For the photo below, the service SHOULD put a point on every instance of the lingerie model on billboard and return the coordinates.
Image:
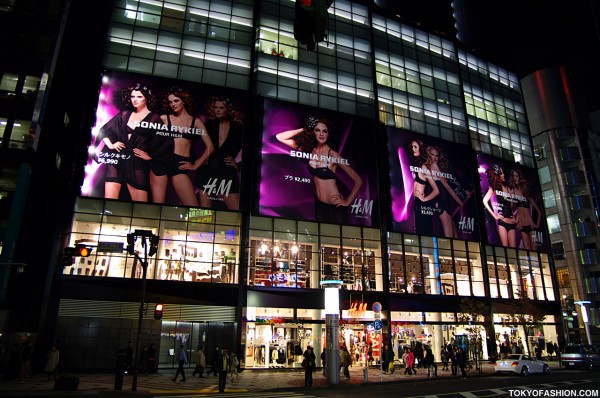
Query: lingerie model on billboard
(318, 165)
(431, 186)
(512, 204)
(166, 141)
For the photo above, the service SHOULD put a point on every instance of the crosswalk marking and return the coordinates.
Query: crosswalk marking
(505, 390)
(226, 394)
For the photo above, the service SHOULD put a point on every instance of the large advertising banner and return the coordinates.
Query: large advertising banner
(512, 204)
(318, 165)
(166, 141)
(431, 186)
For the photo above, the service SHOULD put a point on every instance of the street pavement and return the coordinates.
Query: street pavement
(250, 380)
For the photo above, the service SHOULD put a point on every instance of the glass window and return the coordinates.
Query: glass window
(190, 248)
(544, 173)
(558, 250)
(3, 123)
(9, 82)
(553, 223)
(549, 198)
(31, 85)
(21, 136)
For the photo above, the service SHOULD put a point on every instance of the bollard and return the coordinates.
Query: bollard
(366, 375)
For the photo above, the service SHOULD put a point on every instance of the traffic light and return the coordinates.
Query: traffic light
(131, 243)
(83, 250)
(153, 245)
(310, 23)
(78, 251)
(68, 255)
(158, 311)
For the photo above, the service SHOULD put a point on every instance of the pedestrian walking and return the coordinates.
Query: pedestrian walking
(233, 366)
(182, 359)
(25, 364)
(215, 360)
(221, 361)
(410, 362)
(550, 350)
(345, 361)
(388, 360)
(430, 363)
(461, 359)
(308, 363)
(52, 362)
(200, 362)
(151, 368)
(454, 361)
(444, 356)
(324, 362)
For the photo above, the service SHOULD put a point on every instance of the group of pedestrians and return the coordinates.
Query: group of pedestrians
(456, 357)
(18, 361)
(225, 364)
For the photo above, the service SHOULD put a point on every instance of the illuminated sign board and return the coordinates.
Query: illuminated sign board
(512, 204)
(432, 187)
(318, 165)
(166, 141)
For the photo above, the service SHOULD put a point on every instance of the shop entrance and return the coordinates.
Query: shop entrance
(193, 335)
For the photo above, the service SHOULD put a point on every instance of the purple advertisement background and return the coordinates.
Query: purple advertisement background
(287, 187)
(534, 202)
(402, 184)
(113, 82)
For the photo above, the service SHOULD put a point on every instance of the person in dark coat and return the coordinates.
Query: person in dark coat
(430, 363)
(215, 360)
(222, 364)
(461, 359)
(309, 356)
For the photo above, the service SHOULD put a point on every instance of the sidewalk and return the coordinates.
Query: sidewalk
(102, 385)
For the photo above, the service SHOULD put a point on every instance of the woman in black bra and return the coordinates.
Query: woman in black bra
(525, 208)
(424, 188)
(218, 179)
(447, 200)
(502, 210)
(316, 138)
(178, 105)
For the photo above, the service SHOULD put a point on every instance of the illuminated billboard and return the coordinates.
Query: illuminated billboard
(431, 186)
(318, 165)
(166, 141)
(512, 204)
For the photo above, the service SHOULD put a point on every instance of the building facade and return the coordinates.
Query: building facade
(428, 203)
(566, 154)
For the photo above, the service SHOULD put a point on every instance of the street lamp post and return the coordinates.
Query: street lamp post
(131, 238)
(332, 322)
(584, 318)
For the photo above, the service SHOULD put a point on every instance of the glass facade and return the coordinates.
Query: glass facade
(369, 65)
(196, 245)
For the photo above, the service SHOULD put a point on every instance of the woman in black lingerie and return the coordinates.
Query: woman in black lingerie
(129, 147)
(178, 106)
(447, 200)
(502, 210)
(217, 178)
(424, 188)
(316, 138)
(526, 207)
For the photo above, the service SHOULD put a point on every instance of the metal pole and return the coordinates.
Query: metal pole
(332, 353)
(141, 313)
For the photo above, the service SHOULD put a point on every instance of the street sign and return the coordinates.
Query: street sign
(110, 247)
(377, 324)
